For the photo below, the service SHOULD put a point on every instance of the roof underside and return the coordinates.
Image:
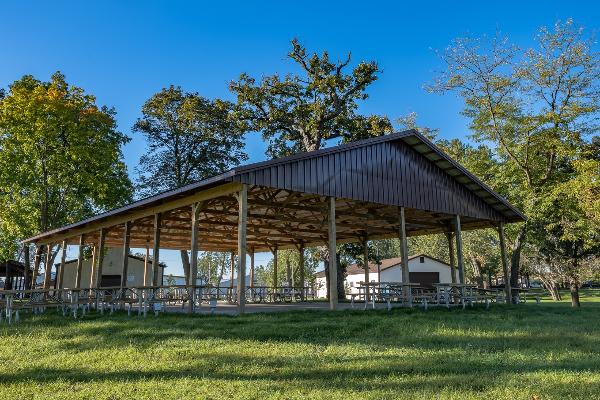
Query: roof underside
(287, 200)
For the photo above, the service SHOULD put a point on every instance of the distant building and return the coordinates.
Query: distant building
(111, 271)
(423, 269)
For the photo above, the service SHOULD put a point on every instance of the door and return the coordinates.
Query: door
(426, 279)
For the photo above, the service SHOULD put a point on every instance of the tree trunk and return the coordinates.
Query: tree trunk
(552, 288)
(574, 287)
(341, 277)
(476, 263)
(185, 260)
(515, 259)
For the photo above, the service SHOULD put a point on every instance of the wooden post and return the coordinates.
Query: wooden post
(242, 222)
(79, 263)
(60, 275)
(404, 256)
(232, 269)
(503, 256)
(193, 257)
(450, 238)
(93, 271)
(26, 282)
(36, 265)
(459, 251)
(331, 233)
(275, 261)
(48, 267)
(125, 261)
(156, 250)
(100, 257)
(252, 268)
(147, 272)
(365, 244)
(301, 266)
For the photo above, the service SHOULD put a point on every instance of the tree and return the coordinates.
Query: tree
(189, 138)
(535, 107)
(212, 266)
(299, 112)
(60, 159)
(573, 234)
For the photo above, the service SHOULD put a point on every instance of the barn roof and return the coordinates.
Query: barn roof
(371, 178)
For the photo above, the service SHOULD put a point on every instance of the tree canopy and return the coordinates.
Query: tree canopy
(299, 112)
(189, 138)
(60, 159)
(537, 108)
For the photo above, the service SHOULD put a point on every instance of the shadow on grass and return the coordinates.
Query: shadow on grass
(445, 348)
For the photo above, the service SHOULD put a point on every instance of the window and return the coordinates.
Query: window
(422, 260)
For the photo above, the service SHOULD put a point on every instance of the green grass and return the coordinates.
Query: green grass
(508, 352)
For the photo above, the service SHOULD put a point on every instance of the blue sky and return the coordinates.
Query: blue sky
(125, 51)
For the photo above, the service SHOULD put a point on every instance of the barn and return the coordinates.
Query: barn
(423, 269)
(111, 271)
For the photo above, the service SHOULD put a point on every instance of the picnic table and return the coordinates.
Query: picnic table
(386, 292)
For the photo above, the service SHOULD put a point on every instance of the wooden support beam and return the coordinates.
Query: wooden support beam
(112, 221)
(504, 258)
(26, 261)
(125, 261)
(365, 245)
(100, 266)
(93, 266)
(156, 249)
(333, 293)
(450, 239)
(79, 263)
(275, 262)
(48, 267)
(60, 276)
(193, 256)
(459, 250)
(147, 270)
(36, 264)
(252, 268)
(242, 220)
(301, 267)
(404, 255)
(231, 269)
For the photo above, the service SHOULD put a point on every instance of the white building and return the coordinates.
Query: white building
(111, 271)
(423, 269)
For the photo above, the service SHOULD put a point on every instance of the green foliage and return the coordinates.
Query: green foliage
(213, 266)
(537, 109)
(299, 112)
(517, 353)
(288, 260)
(60, 159)
(189, 138)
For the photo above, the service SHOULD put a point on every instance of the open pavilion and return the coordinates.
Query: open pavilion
(397, 185)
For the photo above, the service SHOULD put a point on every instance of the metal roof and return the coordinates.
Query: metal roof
(411, 138)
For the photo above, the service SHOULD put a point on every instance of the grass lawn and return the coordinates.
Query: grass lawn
(508, 352)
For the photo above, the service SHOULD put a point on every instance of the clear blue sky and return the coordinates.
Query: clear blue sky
(125, 51)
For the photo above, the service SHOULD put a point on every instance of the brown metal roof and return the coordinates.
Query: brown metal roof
(400, 169)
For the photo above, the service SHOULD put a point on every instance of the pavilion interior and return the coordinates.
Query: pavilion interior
(282, 218)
